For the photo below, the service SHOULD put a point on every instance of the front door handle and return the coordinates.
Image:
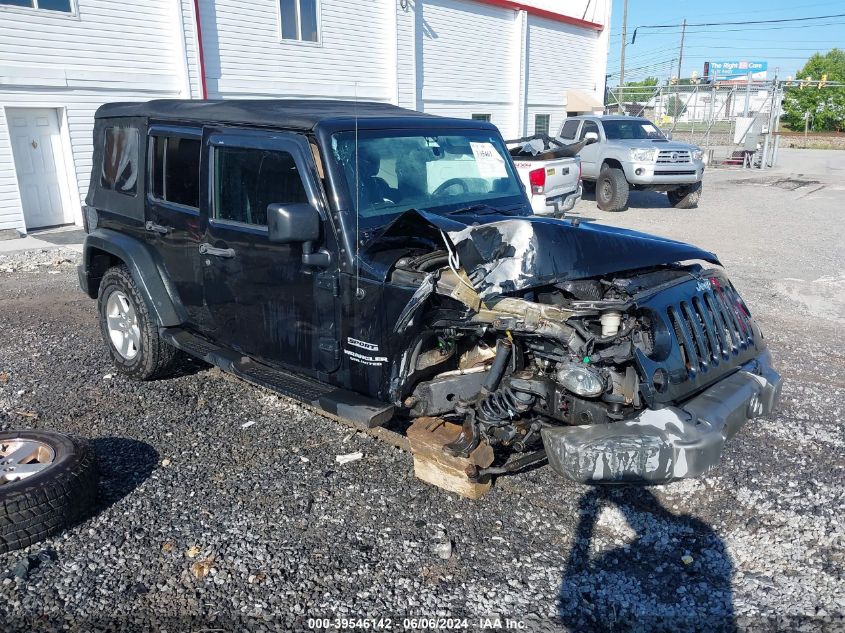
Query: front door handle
(152, 227)
(208, 249)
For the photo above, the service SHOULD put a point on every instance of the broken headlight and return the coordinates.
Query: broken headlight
(581, 380)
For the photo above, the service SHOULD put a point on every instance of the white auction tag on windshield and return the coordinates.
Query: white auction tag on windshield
(488, 160)
(650, 129)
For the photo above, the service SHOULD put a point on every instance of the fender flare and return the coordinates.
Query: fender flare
(160, 295)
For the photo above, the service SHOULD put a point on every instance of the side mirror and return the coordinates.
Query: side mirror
(591, 137)
(292, 223)
(669, 136)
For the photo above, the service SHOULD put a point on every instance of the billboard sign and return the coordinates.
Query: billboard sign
(735, 71)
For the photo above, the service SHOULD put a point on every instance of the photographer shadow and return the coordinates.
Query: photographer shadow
(675, 575)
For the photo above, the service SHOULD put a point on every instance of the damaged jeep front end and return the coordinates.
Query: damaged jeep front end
(595, 348)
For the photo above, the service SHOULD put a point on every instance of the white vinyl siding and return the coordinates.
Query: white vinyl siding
(245, 55)
(104, 52)
(557, 62)
(468, 53)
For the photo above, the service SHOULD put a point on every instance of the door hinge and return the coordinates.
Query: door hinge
(330, 348)
(329, 282)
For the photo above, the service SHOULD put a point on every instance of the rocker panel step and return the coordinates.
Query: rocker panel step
(337, 402)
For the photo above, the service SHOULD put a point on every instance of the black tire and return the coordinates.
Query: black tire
(153, 357)
(44, 503)
(685, 197)
(612, 189)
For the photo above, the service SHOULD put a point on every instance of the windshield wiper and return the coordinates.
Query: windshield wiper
(484, 209)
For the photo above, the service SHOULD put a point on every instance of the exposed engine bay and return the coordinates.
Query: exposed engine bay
(561, 354)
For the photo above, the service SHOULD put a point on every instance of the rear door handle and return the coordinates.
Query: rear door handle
(208, 249)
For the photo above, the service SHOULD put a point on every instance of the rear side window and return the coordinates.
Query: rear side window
(176, 170)
(247, 181)
(120, 160)
(570, 129)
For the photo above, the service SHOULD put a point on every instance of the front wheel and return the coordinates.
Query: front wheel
(685, 197)
(612, 189)
(129, 330)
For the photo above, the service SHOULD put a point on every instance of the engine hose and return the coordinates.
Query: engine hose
(503, 404)
(589, 337)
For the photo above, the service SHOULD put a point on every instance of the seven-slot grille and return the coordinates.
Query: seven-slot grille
(711, 327)
(673, 156)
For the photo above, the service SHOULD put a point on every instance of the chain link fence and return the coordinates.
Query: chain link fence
(737, 124)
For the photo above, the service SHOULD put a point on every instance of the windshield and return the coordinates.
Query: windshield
(633, 129)
(439, 170)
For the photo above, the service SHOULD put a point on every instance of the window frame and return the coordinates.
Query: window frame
(298, 40)
(13, 8)
(582, 131)
(166, 131)
(548, 125)
(289, 142)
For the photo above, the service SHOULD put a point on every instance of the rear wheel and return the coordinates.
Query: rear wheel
(129, 330)
(612, 189)
(47, 482)
(685, 197)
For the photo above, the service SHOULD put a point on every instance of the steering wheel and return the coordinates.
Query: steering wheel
(451, 183)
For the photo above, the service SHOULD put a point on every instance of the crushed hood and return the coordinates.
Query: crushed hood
(503, 254)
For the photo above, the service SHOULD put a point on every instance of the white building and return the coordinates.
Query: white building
(521, 64)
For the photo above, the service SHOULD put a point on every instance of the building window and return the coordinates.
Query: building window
(65, 6)
(541, 123)
(176, 170)
(247, 181)
(299, 20)
(481, 117)
(120, 160)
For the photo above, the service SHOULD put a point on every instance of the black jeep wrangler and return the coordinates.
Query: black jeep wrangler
(383, 264)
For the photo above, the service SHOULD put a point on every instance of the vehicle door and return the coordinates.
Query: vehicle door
(590, 154)
(173, 217)
(262, 299)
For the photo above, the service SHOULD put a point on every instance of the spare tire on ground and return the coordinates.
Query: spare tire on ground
(48, 481)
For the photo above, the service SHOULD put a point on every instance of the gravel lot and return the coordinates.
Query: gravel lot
(222, 506)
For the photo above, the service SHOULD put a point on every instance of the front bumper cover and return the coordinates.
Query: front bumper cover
(663, 445)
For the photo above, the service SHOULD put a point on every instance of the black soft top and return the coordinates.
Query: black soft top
(297, 114)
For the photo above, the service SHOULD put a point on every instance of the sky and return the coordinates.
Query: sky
(785, 46)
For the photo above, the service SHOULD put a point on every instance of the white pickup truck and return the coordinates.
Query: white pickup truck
(550, 171)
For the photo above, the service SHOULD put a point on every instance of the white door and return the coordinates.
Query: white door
(39, 165)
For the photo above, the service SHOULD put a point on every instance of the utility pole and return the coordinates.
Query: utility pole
(622, 56)
(678, 85)
(681, 55)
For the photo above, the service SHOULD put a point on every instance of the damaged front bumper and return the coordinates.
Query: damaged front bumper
(663, 445)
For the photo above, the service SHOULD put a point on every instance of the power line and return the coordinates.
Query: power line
(748, 22)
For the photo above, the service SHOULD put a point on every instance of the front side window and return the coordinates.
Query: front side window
(176, 170)
(589, 126)
(570, 129)
(637, 129)
(481, 117)
(120, 160)
(541, 123)
(392, 172)
(64, 6)
(299, 20)
(247, 181)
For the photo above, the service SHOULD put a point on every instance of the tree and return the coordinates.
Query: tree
(648, 81)
(825, 106)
